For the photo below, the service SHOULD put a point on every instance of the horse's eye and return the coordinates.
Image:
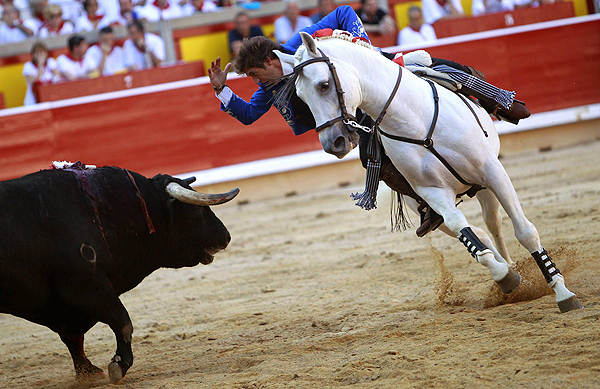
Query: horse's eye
(324, 86)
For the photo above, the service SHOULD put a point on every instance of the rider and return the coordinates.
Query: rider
(258, 58)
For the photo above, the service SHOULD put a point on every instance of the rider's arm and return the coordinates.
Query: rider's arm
(245, 112)
(343, 18)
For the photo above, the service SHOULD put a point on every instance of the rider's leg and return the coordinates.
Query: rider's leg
(430, 220)
(517, 110)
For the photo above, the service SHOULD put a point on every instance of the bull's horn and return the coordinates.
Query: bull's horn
(192, 197)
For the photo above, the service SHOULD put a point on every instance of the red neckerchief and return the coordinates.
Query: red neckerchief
(200, 7)
(159, 7)
(51, 29)
(80, 60)
(442, 2)
(415, 30)
(95, 17)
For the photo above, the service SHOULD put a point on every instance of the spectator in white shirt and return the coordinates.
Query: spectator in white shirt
(416, 32)
(105, 58)
(290, 22)
(482, 7)
(127, 14)
(161, 9)
(195, 6)
(36, 9)
(71, 65)
(41, 69)
(142, 50)
(434, 10)
(91, 19)
(14, 29)
(54, 24)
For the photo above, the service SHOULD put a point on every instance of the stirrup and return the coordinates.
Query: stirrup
(430, 220)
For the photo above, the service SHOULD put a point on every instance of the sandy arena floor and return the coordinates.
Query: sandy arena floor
(315, 293)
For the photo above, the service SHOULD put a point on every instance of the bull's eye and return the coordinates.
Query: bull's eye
(324, 86)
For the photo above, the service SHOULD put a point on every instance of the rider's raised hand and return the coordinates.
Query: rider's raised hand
(216, 75)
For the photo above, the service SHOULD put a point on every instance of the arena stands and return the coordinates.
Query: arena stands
(176, 126)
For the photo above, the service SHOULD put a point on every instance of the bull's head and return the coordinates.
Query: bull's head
(195, 233)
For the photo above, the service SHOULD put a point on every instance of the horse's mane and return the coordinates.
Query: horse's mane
(290, 80)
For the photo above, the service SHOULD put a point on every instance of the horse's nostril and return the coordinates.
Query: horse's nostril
(339, 143)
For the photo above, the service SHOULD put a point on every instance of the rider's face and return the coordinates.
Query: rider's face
(272, 71)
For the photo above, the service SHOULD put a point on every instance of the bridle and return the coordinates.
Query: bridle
(345, 117)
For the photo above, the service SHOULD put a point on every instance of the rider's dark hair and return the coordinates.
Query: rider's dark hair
(254, 52)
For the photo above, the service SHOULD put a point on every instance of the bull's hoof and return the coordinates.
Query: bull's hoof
(569, 304)
(510, 281)
(115, 373)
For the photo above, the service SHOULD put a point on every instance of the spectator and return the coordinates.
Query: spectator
(54, 24)
(375, 19)
(243, 30)
(195, 6)
(161, 9)
(21, 5)
(105, 58)
(325, 8)
(71, 65)
(290, 22)
(36, 7)
(142, 50)
(434, 10)
(416, 32)
(71, 9)
(109, 8)
(127, 14)
(14, 29)
(482, 7)
(41, 68)
(91, 19)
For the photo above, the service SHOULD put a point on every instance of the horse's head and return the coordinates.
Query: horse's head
(317, 86)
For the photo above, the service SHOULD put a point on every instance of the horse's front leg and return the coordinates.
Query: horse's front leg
(442, 201)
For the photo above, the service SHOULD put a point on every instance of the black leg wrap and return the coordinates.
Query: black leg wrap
(471, 241)
(545, 264)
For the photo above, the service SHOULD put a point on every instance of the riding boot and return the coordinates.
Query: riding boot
(517, 111)
(430, 220)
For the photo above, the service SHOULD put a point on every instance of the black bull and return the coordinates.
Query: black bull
(73, 240)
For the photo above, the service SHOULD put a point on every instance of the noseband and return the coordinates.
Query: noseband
(345, 117)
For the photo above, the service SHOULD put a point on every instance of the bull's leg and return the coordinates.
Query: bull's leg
(100, 302)
(83, 367)
(442, 201)
(527, 235)
(490, 208)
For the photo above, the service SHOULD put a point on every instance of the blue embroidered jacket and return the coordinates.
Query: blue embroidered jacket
(343, 18)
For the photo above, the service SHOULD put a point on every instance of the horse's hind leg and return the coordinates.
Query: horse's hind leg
(442, 201)
(490, 209)
(527, 235)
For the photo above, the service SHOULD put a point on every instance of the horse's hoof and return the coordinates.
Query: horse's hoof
(510, 281)
(569, 304)
(115, 373)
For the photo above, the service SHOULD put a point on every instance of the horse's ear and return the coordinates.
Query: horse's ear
(309, 43)
(283, 57)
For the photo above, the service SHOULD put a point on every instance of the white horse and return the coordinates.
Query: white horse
(367, 79)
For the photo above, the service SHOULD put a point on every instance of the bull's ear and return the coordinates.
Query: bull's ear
(309, 43)
(286, 58)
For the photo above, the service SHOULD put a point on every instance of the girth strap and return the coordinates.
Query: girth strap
(428, 141)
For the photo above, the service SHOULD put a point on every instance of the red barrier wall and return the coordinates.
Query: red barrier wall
(182, 130)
